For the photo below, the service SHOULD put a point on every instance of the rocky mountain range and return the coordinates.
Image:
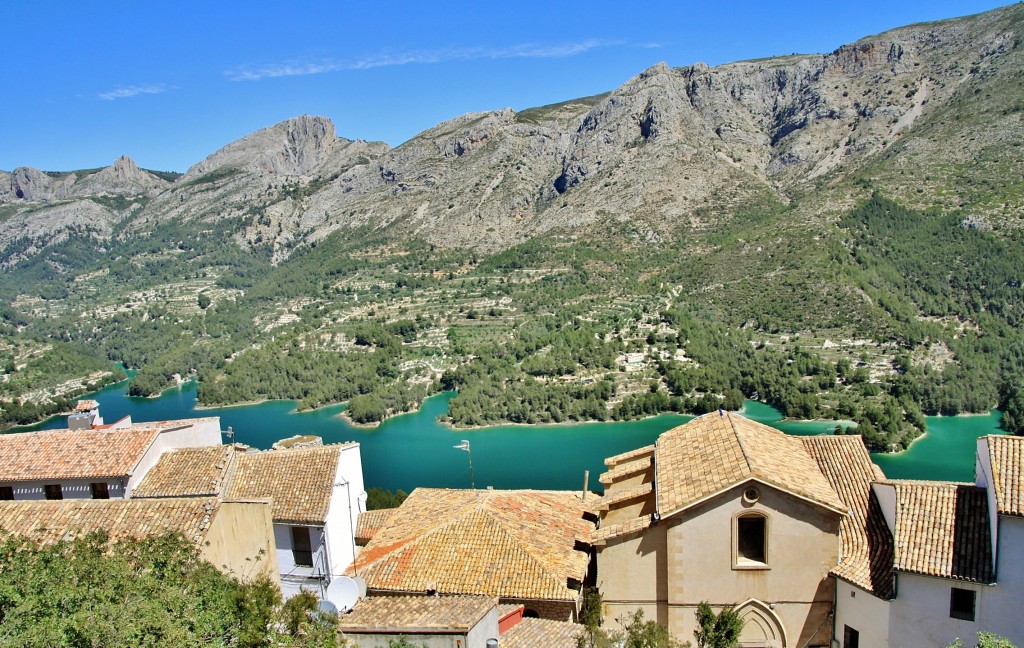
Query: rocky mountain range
(930, 114)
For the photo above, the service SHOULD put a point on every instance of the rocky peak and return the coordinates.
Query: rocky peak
(294, 147)
(30, 184)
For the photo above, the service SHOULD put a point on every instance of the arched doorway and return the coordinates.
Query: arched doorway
(761, 627)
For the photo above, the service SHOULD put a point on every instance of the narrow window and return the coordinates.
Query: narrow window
(53, 492)
(961, 604)
(302, 548)
(99, 490)
(6, 493)
(851, 638)
(751, 541)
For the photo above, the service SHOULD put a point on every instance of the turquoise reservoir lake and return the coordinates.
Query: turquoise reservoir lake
(416, 450)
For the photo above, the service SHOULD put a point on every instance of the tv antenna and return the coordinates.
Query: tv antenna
(465, 446)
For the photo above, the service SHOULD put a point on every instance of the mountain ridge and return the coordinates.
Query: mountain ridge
(657, 151)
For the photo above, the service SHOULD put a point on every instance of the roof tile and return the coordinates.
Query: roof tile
(1006, 454)
(719, 450)
(300, 481)
(188, 472)
(866, 546)
(52, 521)
(379, 614)
(72, 454)
(542, 633)
(491, 542)
(942, 529)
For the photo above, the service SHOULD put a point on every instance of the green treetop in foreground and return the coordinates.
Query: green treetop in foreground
(152, 592)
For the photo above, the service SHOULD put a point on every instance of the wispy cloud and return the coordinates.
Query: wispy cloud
(412, 57)
(131, 91)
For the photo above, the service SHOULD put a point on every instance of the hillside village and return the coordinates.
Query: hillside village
(804, 536)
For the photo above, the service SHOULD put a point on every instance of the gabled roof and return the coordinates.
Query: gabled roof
(542, 633)
(188, 472)
(416, 614)
(717, 451)
(300, 481)
(866, 550)
(1006, 454)
(52, 521)
(72, 454)
(942, 529)
(518, 544)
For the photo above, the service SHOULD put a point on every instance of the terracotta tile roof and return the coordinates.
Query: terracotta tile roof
(606, 533)
(542, 633)
(52, 521)
(629, 456)
(72, 454)
(942, 529)
(626, 469)
(300, 481)
(188, 472)
(866, 549)
(369, 522)
(515, 544)
(1006, 453)
(398, 614)
(86, 405)
(717, 451)
(610, 499)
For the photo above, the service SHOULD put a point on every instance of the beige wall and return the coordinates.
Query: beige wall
(689, 558)
(240, 541)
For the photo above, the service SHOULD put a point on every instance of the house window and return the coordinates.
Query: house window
(302, 548)
(6, 493)
(53, 492)
(851, 638)
(752, 541)
(99, 490)
(961, 604)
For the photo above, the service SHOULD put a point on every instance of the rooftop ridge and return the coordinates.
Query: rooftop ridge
(743, 446)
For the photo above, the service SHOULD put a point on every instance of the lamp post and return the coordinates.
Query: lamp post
(465, 446)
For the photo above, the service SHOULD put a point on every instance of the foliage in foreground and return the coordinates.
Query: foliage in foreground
(986, 640)
(151, 592)
(636, 633)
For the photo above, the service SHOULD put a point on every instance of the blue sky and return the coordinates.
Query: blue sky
(170, 82)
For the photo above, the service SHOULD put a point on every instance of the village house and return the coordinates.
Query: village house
(808, 539)
(96, 462)
(524, 547)
(235, 536)
(951, 569)
(316, 494)
(724, 510)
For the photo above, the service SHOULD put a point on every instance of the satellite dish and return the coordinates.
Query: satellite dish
(343, 592)
(326, 607)
(362, 585)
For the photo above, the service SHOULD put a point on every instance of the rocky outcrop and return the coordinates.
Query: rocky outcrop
(123, 178)
(297, 147)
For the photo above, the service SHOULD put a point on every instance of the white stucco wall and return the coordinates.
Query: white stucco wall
(71, 488)
(983, 478)
(201, 433)
(347, 502)
(920, 613)
(1004, 609)
(285, 557)
(862, 611)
